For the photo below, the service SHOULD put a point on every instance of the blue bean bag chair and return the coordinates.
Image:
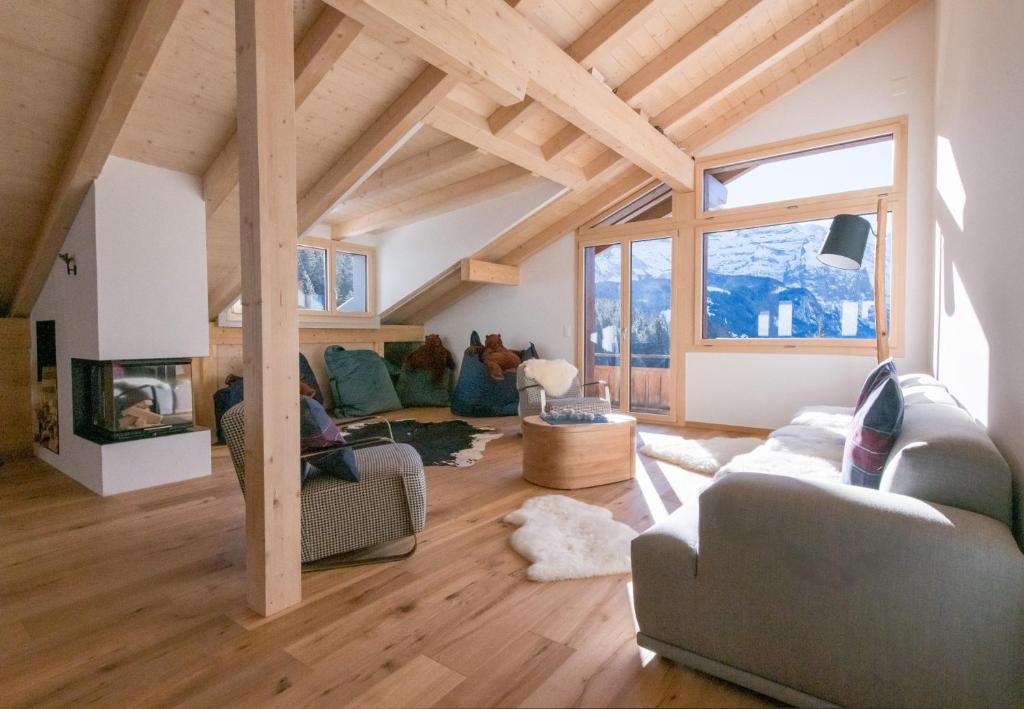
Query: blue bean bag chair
(477, 394)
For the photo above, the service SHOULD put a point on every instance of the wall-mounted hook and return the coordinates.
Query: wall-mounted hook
(69, 261)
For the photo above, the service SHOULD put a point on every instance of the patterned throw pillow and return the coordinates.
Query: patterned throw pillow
(883, 370)
(318, 431)
(873, 433)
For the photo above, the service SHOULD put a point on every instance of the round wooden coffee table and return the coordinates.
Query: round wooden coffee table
(570, 456)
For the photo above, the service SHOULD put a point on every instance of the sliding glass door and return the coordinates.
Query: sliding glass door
(602, 317)
(627, 298)
(650, 326)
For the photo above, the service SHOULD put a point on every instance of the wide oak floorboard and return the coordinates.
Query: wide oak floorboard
(139, 600)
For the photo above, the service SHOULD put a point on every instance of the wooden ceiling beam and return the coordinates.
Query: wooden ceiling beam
(445, 199)
(430, 164)
(792, 35)
(465, 32)
(415, 27)
(621, 21)
(382, 137)
(766, 95)
(635, 87)
(323, 45)
(145, 28)
(470, 127)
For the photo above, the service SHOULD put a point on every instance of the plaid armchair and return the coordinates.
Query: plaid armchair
(387, 504)
(533, 401)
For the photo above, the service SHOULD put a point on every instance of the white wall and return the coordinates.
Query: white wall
(71, 301)
(139, 242)
(151, 261)
(409, 256)
(892, 75)
(979, 104)
(541, 309)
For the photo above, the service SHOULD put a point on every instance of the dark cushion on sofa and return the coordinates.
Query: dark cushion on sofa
(874, 378)
(872, 435)
(360, 382)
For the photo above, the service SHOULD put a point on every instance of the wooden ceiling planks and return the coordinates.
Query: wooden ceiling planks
(52, 53)
(185, 111)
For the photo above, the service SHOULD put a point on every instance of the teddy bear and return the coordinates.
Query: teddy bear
(497, 358)
(431, 356)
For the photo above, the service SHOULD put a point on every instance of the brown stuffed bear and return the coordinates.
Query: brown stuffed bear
(432, 356)
(497, 358)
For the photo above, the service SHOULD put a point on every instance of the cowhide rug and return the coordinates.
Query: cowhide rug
(455, 443)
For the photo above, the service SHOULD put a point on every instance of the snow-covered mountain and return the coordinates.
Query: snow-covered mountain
(651, 259)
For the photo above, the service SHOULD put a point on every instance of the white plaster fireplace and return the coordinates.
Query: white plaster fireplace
(137, 291)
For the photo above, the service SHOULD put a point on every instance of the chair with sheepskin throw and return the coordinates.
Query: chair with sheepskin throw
(548, 385)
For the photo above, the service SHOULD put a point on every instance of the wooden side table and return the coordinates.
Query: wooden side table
(570, 456)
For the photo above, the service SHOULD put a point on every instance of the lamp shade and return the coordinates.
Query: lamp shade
(844, 246)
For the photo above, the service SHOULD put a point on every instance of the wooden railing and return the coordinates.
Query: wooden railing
(651, 387)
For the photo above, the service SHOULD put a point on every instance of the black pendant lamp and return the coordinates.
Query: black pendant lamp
(844, 246)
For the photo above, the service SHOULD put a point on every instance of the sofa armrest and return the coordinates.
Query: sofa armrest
(853, 595)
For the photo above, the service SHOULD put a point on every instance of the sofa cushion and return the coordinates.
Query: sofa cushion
(360, 382)
(873, 433)
(943, 455)
(875, 378)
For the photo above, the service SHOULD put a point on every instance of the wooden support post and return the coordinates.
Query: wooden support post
(881, 312)
(267, 189)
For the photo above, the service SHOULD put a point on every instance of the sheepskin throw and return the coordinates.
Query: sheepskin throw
(569, 539)
(699, 455)
(555, 375)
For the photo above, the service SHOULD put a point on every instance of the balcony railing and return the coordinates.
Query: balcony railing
(650, 387)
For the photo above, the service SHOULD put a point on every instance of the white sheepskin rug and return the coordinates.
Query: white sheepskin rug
(555, 375)
(705, 455)
(568, 539)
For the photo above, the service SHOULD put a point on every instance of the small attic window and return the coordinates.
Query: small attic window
(655, 203)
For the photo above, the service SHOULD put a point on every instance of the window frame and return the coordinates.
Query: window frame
(232, 315)
(897, 127)
(806, 209)
(331, 315)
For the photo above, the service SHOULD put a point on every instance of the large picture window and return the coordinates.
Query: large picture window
(761, 219)
(766, 282)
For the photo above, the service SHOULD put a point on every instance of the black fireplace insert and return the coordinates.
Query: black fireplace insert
(122, 400)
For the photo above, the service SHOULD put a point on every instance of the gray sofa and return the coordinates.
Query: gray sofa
(817, 593)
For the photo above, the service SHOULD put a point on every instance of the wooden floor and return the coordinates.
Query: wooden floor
(138, 600)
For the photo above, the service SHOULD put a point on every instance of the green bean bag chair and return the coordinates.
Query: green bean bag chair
(416, 388)
(360, 382)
